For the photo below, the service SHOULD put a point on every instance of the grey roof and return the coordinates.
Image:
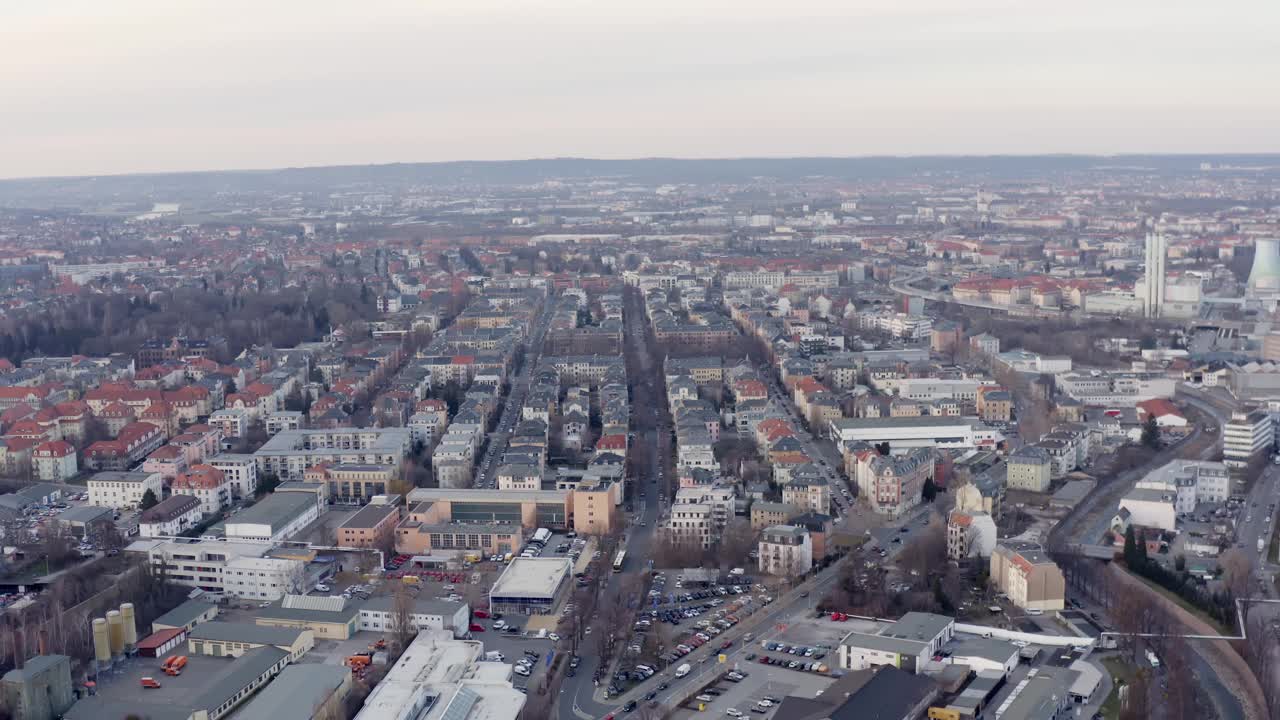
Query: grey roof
(277, 509)
(1041, 695)
(35, 666)
(85, 514)
(295, 693)
(890, 694)
(884, 643)
(369, 516)
(184, 614)
(919, 626)
(343, 613)
(421, 605)
(98, 707)
(886, 422)
(245, 632)
(236, 677)
(120, 476)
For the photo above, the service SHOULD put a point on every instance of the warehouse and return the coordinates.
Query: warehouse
(301, 693)
(186, 616)
(427, 614)
(530, 585)
(225, 639)
(276, 518)
(327, 617)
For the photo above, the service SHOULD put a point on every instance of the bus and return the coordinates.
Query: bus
(541, 536)
(619, 560)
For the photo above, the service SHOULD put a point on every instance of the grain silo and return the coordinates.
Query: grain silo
(101, 643)
(115, 626)
(130, 627)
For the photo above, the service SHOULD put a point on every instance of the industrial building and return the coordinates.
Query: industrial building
(301, 693)
(427, 613)
(227, 639)
(439, 678)
(906, 644)
(530, 586)
(278, 516)
(327, 617)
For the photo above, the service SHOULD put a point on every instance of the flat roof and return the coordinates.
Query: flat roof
(184, 614)
(885, 643)
(275, 510)
(295, 693)
(121, 476)
(368, 516)
(245, 632)
(918, 626)
(900, 422)
(483, 496)
(532, 577)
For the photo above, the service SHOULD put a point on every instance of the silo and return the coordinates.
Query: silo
(130, 626)
(1264, 276)
(101, 643)
(115, 626)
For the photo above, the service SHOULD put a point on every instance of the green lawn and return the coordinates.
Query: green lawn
(1121, 673)
(1182, 603)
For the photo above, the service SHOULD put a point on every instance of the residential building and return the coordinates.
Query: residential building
(785, 550)
(970, 534)
(207, 484)
(1029, 468)
(240, 472)
(1024, 572)
(123, 490)
(766, 514)
(353, 484)
(55, 461)
(170, 517)
(290, 453)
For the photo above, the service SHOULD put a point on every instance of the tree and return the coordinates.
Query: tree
(267, 483)
(402, 628)
(149, 500)
(930, 491)
(1151, 433)
(1236, 568)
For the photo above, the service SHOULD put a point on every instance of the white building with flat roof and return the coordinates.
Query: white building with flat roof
(904, 433)
(239, 569)
(530, 585)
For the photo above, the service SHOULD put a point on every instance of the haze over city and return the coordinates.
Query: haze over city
(144, 85)
(618, 361)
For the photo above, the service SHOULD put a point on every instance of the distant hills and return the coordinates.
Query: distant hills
(195, 186)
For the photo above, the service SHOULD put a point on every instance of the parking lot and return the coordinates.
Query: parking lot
(756, 694)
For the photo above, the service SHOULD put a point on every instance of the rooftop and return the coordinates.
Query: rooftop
(531, 576)
(245, 632)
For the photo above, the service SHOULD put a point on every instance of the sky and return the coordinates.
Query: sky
(92, 87)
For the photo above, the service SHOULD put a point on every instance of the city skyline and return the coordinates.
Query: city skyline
(134, 89)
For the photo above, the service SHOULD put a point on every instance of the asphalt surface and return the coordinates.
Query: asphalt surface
(486, 475)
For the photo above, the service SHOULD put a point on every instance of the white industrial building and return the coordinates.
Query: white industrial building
(1151, 508)
(238, 569)
(1109, 388)
(907, 644)
(531, 586)
(427, 613)
(903, 433)
(277, 517)
(930, 389)
(438, 678)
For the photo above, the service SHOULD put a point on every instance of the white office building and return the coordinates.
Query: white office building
(1245, 437)
(240, 569)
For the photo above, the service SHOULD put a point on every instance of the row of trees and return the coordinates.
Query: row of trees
(101, 324)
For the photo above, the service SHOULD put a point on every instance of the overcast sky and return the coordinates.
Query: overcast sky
(116, 86)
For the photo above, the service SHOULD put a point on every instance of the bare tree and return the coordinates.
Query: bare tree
(928, 549)
(736, 542)
(1236, 569)
(403, 630)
